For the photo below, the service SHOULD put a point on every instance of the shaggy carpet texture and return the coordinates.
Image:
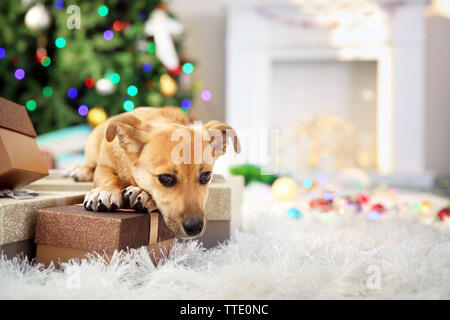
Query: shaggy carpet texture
(403, 255)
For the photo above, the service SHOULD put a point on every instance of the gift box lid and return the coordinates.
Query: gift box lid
(75, 227)
(15, 117)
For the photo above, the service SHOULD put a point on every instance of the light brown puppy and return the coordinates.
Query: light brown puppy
(134, 162)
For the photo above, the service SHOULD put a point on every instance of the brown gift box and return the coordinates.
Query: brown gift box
(21, 161)
(63, 233)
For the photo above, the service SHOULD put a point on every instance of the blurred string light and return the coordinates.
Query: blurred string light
(89, 82)
(188, 68)
(147, 67)
(40, 54)
(31, 105)
(45, 61)
(128, 105)
(151, 47)
(118, 25)
(186, 104)
(59, 4)
(425, 208)
(132, 91)
(115, 78)
(108, 35)
(47, 92)
(103, 11)
(2, 53)
(83, 110)
(206, 95)
(19, 74)
(72, 93)
(60, 42)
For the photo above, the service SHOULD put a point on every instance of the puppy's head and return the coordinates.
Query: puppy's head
(174, 164)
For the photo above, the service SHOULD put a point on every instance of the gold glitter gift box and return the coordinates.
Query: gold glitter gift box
(18, 217)
(68, 232)
(21, 160)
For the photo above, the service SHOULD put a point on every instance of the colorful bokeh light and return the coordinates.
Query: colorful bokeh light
(103, 11)
(31, 105)
(2, 53)
(72, 93)
(89, 82)
(115, 78)
(108, 35)
(47, 92)
(132, 91)
(186, 104)
(128, 105)
(19, 74)
(151, 48)
(46, 61)
(206, 95)
(60, 42)
(188, 68)
(118, 25)
(83, 110)
(59, 4)
(147, 67)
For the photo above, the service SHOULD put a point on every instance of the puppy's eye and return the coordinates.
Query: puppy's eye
(205, 177)
(167, 180)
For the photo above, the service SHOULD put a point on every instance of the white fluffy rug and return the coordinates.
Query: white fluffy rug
(401, 256)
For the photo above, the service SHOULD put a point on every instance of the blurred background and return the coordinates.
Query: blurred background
(359, 87)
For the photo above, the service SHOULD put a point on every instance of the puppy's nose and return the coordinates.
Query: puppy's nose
(193, 227)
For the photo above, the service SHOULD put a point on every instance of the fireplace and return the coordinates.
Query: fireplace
(285, 66)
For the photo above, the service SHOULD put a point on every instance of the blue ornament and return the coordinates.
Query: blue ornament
(293, 213)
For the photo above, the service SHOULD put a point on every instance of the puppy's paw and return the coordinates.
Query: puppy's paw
(137, 199)
(82, 173)
(101, 199)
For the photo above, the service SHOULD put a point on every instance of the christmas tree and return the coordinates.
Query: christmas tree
(70, 62)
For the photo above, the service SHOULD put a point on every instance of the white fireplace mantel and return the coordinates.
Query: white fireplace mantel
(254, 43)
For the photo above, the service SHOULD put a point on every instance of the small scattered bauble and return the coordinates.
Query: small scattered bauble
(362, 198)
(167, 86)
(96, 116)
(444, 213)
(285, 189)
(378, 207)
(293, 213)
(104, 87)
(37, 18)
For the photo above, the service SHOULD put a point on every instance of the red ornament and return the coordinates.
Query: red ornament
(323, 204)
(444, 213)
(89, 82)
(176, 71)
(362, 198)
(378, 208)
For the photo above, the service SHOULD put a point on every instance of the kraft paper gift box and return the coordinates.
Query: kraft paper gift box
(21, 161)
(223, 206)
(68, 232)
(18, 217)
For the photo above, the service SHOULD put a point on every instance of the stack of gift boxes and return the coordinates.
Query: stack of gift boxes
(53, 226)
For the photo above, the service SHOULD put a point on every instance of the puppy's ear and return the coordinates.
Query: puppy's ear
(130, 138)
(219, 133)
